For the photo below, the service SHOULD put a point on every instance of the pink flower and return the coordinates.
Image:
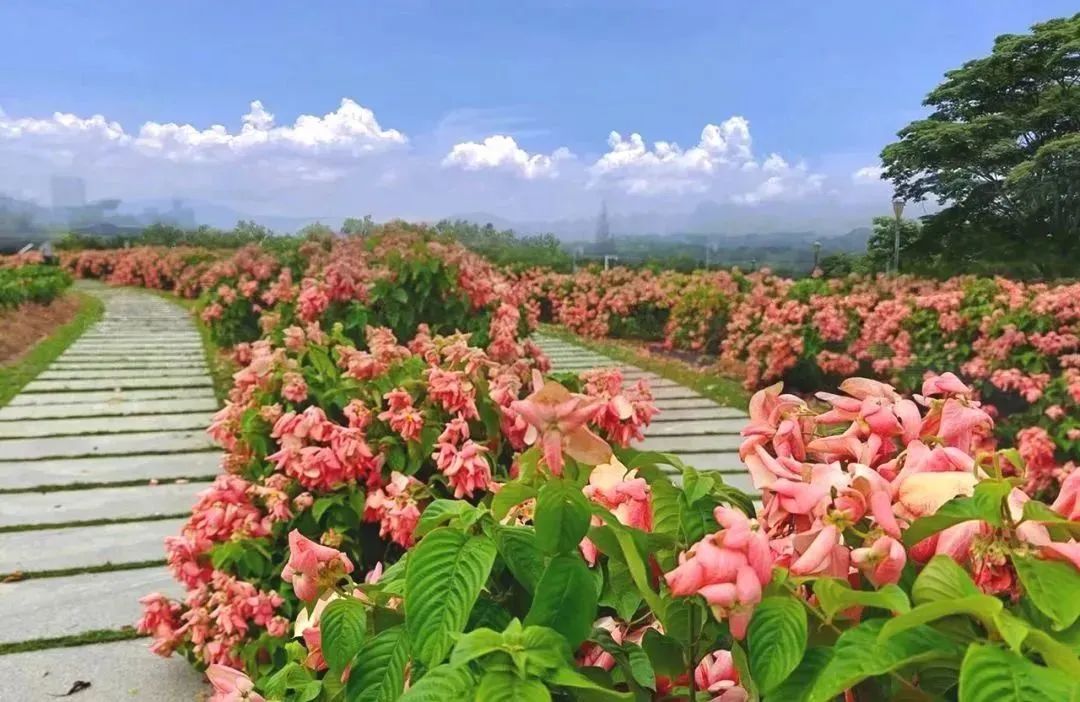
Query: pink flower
(395, 508)
(729, 569)
(161, 620)
(467, 468)
(882, 561)
(293, 388)
(312, 566)
(1067, 503)
(230, 685)
(944, 384)
(557, 419)
(716, 674)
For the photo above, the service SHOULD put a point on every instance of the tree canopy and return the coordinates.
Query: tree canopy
(1001, 154)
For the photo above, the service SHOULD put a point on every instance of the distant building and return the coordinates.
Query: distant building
(68, 192)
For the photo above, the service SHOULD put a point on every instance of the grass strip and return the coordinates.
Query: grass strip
(89, 637)
(13, 528)
(720, 389)
(15, 375)
(21, 575)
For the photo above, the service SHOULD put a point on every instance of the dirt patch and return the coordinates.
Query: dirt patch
(27, 324)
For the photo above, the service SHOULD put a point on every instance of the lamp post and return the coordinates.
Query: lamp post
(817, 253)
(898, 211)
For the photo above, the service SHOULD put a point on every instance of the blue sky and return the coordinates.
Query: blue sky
(822, 85)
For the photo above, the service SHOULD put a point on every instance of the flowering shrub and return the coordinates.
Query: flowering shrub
(21, 282)
(890, 558)
(1016, 344)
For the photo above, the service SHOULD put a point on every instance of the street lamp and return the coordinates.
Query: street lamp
(817, 253)
(898, 211)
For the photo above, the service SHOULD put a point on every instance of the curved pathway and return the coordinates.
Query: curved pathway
(100, 458)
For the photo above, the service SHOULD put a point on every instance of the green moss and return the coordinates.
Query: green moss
(16, 375)
(90, 522)
(64, 572)
(720, 389)
(89, 637)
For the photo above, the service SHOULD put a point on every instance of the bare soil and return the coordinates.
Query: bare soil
(23, 327)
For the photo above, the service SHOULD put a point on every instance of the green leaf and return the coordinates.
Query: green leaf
(636, 565)
(942, 579)
(568, 677)
(442, 684)
(619, 591)
(440, 512)
(562, 517)
(797, 686)
(509, 496)
(1060, 528)
(378, 671)
(776, 640)
(858, 655)
(981, 607)
(674, 515)
(992, 674)
(835, 595)
(664, 652)
(443, 579)
(565, 599)
(984, 505)
(1052, 586)
(545, 650)
(503, 686)
(517, 547)
(476, 644)
(343, 625)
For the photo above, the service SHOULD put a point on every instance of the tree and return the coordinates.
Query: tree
(353, 225)
(881, 246)
(999, 153)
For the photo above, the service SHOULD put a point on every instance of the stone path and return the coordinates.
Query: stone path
(701, 432)
(100, 458)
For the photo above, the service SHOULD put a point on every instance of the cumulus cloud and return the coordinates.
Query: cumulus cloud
(867, 175)
(502, 152)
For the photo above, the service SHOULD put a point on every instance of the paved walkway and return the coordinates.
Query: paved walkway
(701, 432)
(80, 519)
(100, 459)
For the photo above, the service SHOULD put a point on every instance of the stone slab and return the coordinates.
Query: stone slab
(697, 402)
(675, 392)
(119, 671)
(696, 427)
(95, 396)
(718, 461)
(64, 506)
(23, 475)
(83, 547)
(107, 409)
(120, 373)
(181, 381)
(100, 425)
(672, 414)
(104, 445)
(133, 364)
(692, 444)
(43, 608)
(157, 355)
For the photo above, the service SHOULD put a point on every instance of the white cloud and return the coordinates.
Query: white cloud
(867, 175)
(502, 152)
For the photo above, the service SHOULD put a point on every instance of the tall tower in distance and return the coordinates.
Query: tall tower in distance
(68, 192)
(604, 242)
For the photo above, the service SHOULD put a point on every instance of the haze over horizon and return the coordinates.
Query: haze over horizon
(677, 117)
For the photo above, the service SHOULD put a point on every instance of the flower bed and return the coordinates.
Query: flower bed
(1017, 344)
(25, 279)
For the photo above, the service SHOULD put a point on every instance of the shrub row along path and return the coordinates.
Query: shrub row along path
(100, 458)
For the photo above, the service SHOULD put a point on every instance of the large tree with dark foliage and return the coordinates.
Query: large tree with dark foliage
(1001, 154)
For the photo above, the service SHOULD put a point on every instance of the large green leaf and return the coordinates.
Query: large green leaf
(378, 670)
(589, 689)
(992, 674)
(675, 515)
(446, 572)
(504, 686)
(776, 640)
(859, 655)
(797, 686)
(835, 595)
(1053, 587)
(343, 625)
(440, 512)
(565, 599)
(518, 549)
(982, 607)
(562, 517)
(942, 579)
(619, 591)
(442, 684)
